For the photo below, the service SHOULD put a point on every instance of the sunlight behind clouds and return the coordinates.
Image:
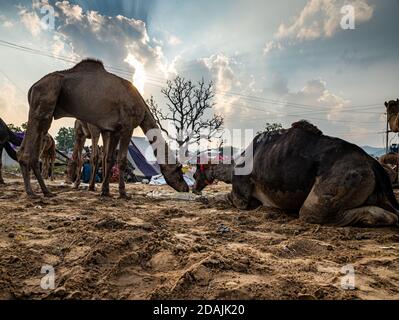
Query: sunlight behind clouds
(139, 76)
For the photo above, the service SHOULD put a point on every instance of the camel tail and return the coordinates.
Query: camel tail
(10, 151)
(384, 186)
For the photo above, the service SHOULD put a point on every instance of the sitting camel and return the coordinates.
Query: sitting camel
(89, 93)
(326, 180)
(85, 131)
(47, 156)
(7, 137)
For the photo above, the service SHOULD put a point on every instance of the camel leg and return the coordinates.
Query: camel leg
(42, 103)
(341, 200)
(52, 169)
(93, 163)
(368, 216)
(122, 163)
(1, 165)
(112, 142)
(29, 153)
(79, 164)
(36, 171)
(45, 169)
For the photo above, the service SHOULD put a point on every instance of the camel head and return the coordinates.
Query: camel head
(71, 170)
(203, 177)
(174, 177)
(393, 112)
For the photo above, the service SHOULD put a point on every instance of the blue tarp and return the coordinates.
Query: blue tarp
(140, 162)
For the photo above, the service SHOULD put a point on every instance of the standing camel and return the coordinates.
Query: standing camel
(47, 155)
(7, 137)
(84, 131)
(91, 94)
(393, 116)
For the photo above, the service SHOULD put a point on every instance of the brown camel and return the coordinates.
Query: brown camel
(393, 114)
(91, 94)
(323, 179)
(47, 155)
(390, 163)
(85, 131)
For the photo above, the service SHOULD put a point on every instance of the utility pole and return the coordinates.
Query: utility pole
(387, 136)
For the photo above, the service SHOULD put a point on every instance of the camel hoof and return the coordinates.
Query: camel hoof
(203, 200)
(32, 196)
(124, 196)
(49, 195)
(105, 195)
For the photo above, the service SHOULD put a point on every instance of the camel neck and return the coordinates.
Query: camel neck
(223, 172)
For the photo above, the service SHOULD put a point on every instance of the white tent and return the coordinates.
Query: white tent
(142, 158)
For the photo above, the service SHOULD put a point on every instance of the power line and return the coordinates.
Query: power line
(155, 80)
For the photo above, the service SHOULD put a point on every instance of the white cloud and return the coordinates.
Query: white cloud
(315, 93)
(71, 12)
(31, 21)
(112, 39)
(321, 18)
(272, 46)
(221, 70)
(174, 41)
(4, 22)
(12, 103)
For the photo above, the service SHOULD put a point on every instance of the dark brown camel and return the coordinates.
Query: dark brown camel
(390, 163)
(326, 180)
(91, 94)
(84, 131)
(7, 137)
(47, 155)
(393, 114)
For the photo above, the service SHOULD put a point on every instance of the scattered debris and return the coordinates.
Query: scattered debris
(223, 229)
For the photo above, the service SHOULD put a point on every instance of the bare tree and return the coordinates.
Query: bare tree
(190, 109)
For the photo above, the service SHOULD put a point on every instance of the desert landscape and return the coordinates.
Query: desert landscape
(151, 247)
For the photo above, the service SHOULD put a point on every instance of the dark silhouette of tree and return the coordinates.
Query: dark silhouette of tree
(270, 127)
(189, 110)
(18, 129)
(65, 138)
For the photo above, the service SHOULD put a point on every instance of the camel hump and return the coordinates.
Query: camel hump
(89, 64)
(307, 126)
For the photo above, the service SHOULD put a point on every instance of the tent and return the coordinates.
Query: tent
(141, 157)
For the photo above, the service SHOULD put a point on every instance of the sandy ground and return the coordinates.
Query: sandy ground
(150, 248)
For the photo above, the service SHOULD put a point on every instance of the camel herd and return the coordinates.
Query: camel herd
(323, 180)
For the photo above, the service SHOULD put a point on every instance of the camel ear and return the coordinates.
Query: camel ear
(386, 104)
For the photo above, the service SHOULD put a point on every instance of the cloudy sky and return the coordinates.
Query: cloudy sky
(271, 61)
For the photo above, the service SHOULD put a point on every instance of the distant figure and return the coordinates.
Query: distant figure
(86, 171)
